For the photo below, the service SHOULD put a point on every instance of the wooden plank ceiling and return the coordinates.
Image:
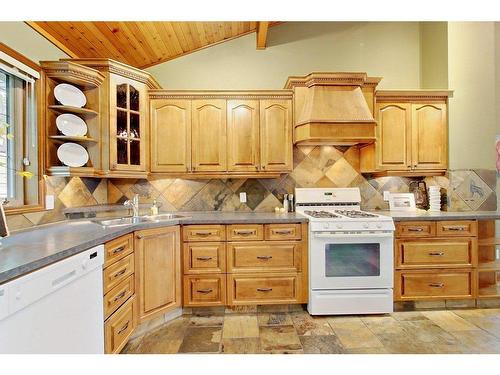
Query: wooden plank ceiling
(143, 44)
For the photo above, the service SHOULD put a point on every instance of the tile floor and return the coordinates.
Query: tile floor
(268, 330)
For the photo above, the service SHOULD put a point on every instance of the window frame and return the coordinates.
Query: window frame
(39, 83)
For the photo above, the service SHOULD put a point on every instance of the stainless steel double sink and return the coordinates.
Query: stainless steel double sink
(137, 220)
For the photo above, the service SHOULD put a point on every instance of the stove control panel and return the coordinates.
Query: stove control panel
(332, 226)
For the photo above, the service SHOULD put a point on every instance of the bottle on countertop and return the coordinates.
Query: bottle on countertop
(154, 209)
(285, 202)
(291, 203)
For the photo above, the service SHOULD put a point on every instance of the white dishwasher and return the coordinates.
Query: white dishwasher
(57, 309)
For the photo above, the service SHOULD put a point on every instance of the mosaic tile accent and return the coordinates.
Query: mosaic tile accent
(314, 166)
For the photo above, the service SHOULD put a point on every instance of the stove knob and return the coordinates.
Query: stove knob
(326, 226)
(340, 226)
(366, 226)
(379, 226)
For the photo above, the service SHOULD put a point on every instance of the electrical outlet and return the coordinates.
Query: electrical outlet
(49, 202)
(243, 197)
(386, 195)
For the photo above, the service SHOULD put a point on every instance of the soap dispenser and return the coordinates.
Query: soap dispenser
(154, 209)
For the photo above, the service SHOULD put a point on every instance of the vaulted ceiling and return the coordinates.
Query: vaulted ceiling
(143, 44)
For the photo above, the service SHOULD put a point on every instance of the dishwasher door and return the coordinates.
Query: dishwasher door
(57, 309)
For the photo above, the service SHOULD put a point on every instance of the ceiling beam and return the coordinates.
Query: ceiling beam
(262, 27)
(51, 38)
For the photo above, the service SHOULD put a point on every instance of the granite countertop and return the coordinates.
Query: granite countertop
(28, 250)
(441, 215)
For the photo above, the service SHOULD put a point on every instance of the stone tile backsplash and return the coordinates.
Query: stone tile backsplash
(314, 166)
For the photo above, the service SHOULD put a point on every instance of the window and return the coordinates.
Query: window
(19, 164)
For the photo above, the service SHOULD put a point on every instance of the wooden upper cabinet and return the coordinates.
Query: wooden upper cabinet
(127, 125)
(243, 135)
(209, 135)
(170, 122)
(429, 136)
(158, 270)
(276, 135)
(393, 135)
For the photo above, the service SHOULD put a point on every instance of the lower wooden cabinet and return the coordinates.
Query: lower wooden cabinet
(158, 271)
(118, 295)
(258, 264)
(119, 327)
(435, 260)
(435, 284)
(205, 290)
(263, 289)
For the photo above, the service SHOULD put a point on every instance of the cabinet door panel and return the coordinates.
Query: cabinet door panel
(393, 138)
(209, 135)
(429, 133)
(243, 135)
(276, 135)
(170, 121)
(127, 125)
(159, 270)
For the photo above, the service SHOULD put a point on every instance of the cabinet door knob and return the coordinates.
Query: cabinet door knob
(264, 289)
(265, 257)
(436, 285)
(436, 253)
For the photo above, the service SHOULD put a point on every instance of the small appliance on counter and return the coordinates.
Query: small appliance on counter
(419, 189)
(350, 253)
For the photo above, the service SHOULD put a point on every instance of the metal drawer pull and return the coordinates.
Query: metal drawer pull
(436, 285)
(415, 229)
(265, 257)
(244, 232)
(125, 326)
(264, 289)
(118, 250)
(459, 229)
(120, 296)
(205, 291)
(203, 234)
(204, 258)
(120, 273)
(436, 253)
(287, 231)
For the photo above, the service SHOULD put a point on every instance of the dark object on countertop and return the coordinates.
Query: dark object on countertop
(4, 229)
(419, 189)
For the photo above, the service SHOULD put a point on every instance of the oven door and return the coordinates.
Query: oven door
(351, 260)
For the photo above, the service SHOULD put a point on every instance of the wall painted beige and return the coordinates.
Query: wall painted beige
(433, 55)
(24, 39)
(471, 72)
(387, 49)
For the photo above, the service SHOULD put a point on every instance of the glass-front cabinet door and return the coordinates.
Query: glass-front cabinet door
(127, 131)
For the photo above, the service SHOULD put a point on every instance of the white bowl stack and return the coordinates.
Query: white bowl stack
(434, 198)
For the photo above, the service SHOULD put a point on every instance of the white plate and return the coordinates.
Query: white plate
(72, 154)
(70, 95)
(71, 125)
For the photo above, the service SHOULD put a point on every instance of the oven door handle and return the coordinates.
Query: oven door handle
(352, 235)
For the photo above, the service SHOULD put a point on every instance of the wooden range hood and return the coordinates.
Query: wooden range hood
(330, 109)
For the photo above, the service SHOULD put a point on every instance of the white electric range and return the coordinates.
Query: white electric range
(350, 253)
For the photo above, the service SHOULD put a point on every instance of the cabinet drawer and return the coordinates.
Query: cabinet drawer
(117, 272)
(119, 294)
(118, 248)
(416, 229)
(204, 233)
(264, 256)
(205, 290)
(204, 257)
(271, 288)
(283, 232)
(119, 327)
(245, 232)
(456, 228)
(446, 284)
(459, 252)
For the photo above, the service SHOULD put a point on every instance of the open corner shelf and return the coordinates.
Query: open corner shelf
(66, 138)
(489, 266)
(491, 291)
(85, 112)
